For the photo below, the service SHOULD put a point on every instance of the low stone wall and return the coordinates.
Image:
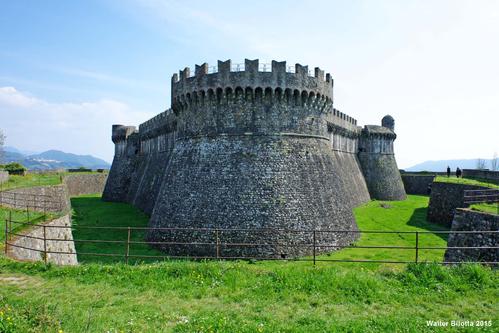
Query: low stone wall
(78, 184)
(493, 176)
(445, 198)
(469, 220)
(4, 177)
(31, 245)
(417, 184)
(40, 198)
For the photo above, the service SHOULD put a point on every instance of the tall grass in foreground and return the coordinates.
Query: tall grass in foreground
(242, 297)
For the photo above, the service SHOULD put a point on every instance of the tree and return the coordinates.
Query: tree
(494, 162)
(2, 141)
(480, 164)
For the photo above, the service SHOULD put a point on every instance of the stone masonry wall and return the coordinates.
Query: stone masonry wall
(482, 174)
(469, 220)
(417, 184)
(78, 184)
(253, 183)
(50, 198)
(31, 245)
(444, 199)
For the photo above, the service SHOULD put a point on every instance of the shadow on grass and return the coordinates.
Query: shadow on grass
(418, 219)
(91, 211)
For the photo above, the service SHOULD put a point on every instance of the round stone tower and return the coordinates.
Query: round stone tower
(377, 160)
(252, 152)
(126, 146)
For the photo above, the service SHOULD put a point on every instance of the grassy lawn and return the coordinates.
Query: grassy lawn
(407, 215)
(242, 297)
(19, 216)
(486, 207)
(239, 296)
(32, 179)
(91, 211)
(467, 181)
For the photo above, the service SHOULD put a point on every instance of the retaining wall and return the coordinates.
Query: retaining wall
(469, 220)
(33, 244)
(417, 184)
(445, 198)
(41, 198)
(78, 184)
(482, 174)
(4, 177)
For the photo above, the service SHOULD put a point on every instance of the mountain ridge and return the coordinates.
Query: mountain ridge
(53, 159)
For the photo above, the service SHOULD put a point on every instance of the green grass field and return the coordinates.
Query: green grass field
(486, 207)
(408, 215)
(32, 179)
(240, 296)
(467, 181)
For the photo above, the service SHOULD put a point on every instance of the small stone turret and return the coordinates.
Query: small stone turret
(388, 122)
(377, 160)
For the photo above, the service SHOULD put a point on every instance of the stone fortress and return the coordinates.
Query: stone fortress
(256, 149)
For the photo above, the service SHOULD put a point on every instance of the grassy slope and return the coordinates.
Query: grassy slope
(242, 297)
(32, 179)
(408, 215)
(486, 207)
(89, 210)
(468, 181)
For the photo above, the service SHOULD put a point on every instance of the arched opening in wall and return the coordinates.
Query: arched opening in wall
(249, 94)
(228, 94)
(258, 94)
(239, 93)
(278, 95)
(220, 93)
(304, 97)
(195, 99)
(268, 96)
(203, 97)
(296, 97)
(188, 99)
(311, 98)
(211, 95)
(288, 95)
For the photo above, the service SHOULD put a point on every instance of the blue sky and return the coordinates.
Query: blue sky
(70, 69)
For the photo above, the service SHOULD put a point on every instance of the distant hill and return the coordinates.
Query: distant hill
(441, 165)
(53, 159)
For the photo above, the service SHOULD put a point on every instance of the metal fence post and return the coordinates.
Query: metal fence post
(45, 244)
(417, 246)
(218, 243)
(314, 247)
(127, 246)
(27, 211)
(6, 235)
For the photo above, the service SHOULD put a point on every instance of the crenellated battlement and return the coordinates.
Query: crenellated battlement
(165, 122)
(253, 75)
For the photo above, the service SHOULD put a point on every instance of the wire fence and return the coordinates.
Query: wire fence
(214, 243)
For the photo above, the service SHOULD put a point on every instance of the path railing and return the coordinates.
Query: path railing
(228, 244)
(482, 196)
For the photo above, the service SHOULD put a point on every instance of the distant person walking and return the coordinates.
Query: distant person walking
(458, 172)
(448, 171)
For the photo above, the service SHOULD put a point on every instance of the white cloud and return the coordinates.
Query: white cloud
(31, 123)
